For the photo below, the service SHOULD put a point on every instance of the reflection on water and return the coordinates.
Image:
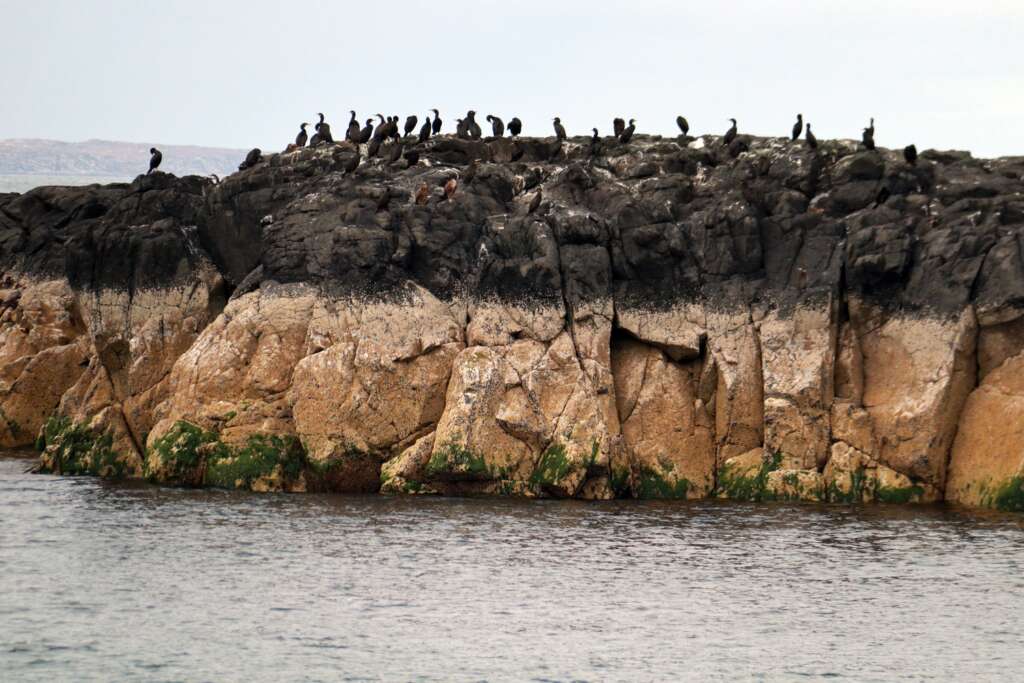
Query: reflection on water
(102, 581)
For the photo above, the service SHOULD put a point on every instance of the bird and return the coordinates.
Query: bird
(910, 154)
(517, 152)
(594, 140)
(154, 160)
(251, 159)
(436, 125)
(627, 134)
(352, 164)
(472, 127)
(374, 146)
(353, 132)
(425, 130)
(449, 188)
(412, 157)
(302, 137)
(883, 196)
(366, 133)
(618, 125)
(798, 127)
(324, 129)
(422, 194)
(683, 124)
(461, 130)
(395, 152)
(559, 129)
(730, 134)
(535, 202)
(497, 125)
(812, 141)
(871, 126)
(868, 138)
(394, 128)
(515, 126)
(381, 131)
(410, 123)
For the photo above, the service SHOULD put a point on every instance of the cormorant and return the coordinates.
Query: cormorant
(394, 128)
(412, 157)
(154, 160)
(868, 138)
(730, 134)
(871, 126)
(251, 159)
(515, 127)
(594, 140)
(366, 133)
(395, 152)
(425, 130)
(812, 141)
(374, 146)
(381, 131)
(461, 131)
(497, 126)
(410, 123)
(302, 137)
(353, 132)
(436, 125)
(559, 129)
(317, 138)
(352, 164)
(472, 127)
(324, 129)
(883, 195)
(517, 152)
(910, 154)
(683, 124)
(618, 125)
(627, 134)
(798, 127)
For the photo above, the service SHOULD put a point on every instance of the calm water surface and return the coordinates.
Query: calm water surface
(103, 581)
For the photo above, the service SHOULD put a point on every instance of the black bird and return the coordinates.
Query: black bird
(374, 146)
(883, 196)
(683, 124)
(868, 138)
(559, 129)
(515, 126)
(154, 160)
(366, 133)
(730, 134)
(412, 157)
(517, 152)
(812, 141)
(410, 123)
(425, 130)
(251, 159)
(497, 126)
(910, 154)
(461, 130)
(395, 152)
(381, 131)
(627, 134)
(436, 125)
(594, 140)
(300, 139)
(871, 126)
(324, 129)
(798, 127)
(353, 132)
(394, 128)
(472, 127)
(352, 164)
(618, 125)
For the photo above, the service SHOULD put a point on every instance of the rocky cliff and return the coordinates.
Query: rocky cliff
(670, 318)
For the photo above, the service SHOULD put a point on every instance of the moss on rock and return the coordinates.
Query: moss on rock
(745, 477)
(73, 448)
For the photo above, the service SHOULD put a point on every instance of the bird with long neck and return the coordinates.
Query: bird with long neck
(302, 137)
(436, 125)
(730, 134)
(798, 127)
(559, 129)
(812, 141)
(627, 134)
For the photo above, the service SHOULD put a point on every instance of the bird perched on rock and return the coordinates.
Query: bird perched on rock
(374, 146)
(472, 127)
(868, 139)
(515, 126)
(910, 154)
(410, 123)
(627, 134)
(323, 129)
(395, 152)
(251, 159)
(730, 134)
(352, 164)
(798, 127)
(394, 128)
(871, 126)
(422, 194)
(154, 159)
(812, 141)
(366, 133)
(461, 130)
(497, 126)
(353, 132)
(517, 152)
(302, 137)
(559, 129)
(618, 125)
(683, 124)
(381, 131)
(412, 157)
(883, 196)
(436, 125)
(449, 188)
(425, 130)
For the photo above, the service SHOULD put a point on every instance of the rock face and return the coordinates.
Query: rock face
(664, 319)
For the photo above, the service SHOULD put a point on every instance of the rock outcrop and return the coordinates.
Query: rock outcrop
(664, 319)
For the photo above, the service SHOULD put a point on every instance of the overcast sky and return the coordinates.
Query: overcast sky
(246, 73)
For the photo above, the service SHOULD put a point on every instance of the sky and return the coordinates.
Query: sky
(244, 74)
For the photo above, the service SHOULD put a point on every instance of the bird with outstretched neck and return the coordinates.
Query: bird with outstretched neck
(798, 127)
(154, 160)
(627, 134)
(302, 137)
(730, 134)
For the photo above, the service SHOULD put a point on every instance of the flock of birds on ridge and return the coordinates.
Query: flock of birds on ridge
(374, 136)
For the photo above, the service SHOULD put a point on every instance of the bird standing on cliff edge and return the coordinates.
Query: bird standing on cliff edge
(798, 127)
(353, 131)
(627, 134)
(559, 129)
(497, 125)
(730, 134)
(683, 124)
(618, 125)
(302, 137)
(515, 126)
(812, 141)
(436, 126)
(154, 160)
(910, 154)
(425, 130)
(868, 139)
(410, 124)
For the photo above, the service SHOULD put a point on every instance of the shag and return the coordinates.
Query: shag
(410, 123)
(366, 133)
(353, 132)
(412, 157)
(352, 164)
(883, 196)
(381, 131)
(497, 126)
(618, 125)
(730, 134)
(627, 134)
(395, 153)
(302, 137)
(251, 159)
(472, 127)
(461, 130)
(559, 129)
(515, 127)
(324, 129)
(374, 146)
(683, 124)
(425, 130)
(812, 141)
(798, 127)
(154, 160)
(871, 126)
(868, 138)
(596, 139)
(910, 154)
(436, 125)
(394, 128)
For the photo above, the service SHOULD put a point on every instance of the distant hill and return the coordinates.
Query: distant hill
(105, 158)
